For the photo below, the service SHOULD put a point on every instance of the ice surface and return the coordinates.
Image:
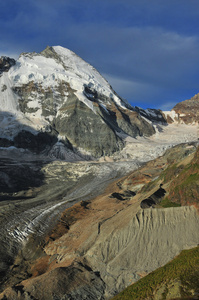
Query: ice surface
(144, 149)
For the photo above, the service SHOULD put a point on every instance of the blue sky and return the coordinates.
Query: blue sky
(147, 49)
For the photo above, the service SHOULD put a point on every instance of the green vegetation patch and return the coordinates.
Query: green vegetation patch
(171, 173)
(184, 184)
(191, 179)
(167, 203)
(184, 268)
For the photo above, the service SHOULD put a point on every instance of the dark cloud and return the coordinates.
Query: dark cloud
(148, 49)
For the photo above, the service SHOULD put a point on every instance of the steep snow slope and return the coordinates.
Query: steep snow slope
(81, 73)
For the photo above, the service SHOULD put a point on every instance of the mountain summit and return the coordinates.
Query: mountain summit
(55, 100)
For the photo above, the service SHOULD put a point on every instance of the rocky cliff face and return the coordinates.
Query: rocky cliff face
(188, 111)
(5, 64)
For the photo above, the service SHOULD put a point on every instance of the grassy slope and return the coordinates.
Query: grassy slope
(184, 186)
(182, 271)
(181, 178)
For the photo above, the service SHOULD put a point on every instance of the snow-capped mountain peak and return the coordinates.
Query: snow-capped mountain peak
(56, 91)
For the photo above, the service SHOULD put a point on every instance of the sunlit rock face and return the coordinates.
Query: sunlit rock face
(188, 111)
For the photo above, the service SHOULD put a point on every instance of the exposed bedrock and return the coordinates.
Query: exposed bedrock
(187, 111)
(6, 63)
(131, 245)
(154, 199)
(76, 282)
(86, 129)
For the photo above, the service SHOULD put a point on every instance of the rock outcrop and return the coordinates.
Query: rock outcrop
(188, 111)
(5, 64)
(153, 115)
(73, 282)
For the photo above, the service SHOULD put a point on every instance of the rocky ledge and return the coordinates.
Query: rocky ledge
(6, 63)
